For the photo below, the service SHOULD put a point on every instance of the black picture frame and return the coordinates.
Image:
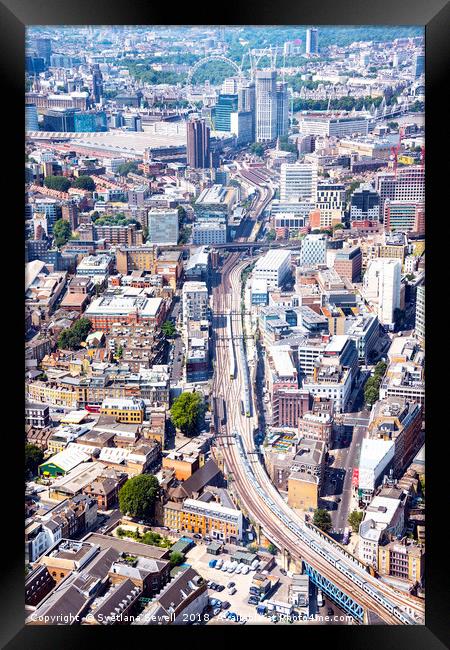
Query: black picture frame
(15, 15)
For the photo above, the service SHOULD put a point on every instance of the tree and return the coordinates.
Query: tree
(354, 519)
(168, 329)
(371, 394)
(84, 183)
(126, 168)
(322, 519)
(58, 183)
(338, 226)
(34, 456)
(176, 558)
(272, 549)
(271, 235)
(61, 232)
(185, 412)
(257, 149)
(138, 495)
(70, 338)
(380, 369)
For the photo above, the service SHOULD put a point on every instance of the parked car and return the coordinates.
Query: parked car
(216, 611)
(213, 585)
(230, 584)
(225, 604)
(245, 570)
(220, 587)
(231, 591)
(219, 563)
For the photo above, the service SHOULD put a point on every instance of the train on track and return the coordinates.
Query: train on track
(232, 357)
(318, 545)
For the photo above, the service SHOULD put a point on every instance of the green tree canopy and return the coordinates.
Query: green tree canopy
(271, 235)
(322, 519)
(138, 495)
(168, 329)
(176, 558)
(61, 232)
(354, 519)
(58, 183)
(272, 549)
(186, 411)
(84, 183)
(257, 149)
(71, 338)
(126, 168)
(34, 456)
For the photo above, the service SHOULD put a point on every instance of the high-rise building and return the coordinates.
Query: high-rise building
(266, 106)
(348, 263)
(162, 226)
(43, 47)
(31, 118)
(298, 181)
(331, 203)
(419, 65)
(382, 282)
(198, 144)
(365, 204)
(247, 102)
(226, 105)
(408, 185)
(314, 250)
(282, 108)
(420, 313)
(97, 83)
(312, 41)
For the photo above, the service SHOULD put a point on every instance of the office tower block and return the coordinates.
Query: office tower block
(198, 144)
(247, 103)
(312, 41)
(420, 314)
(298, 181)
(43, 48)
(282, 108)
(365, 204)
(31, 118)
(382, 282)
(97, 83)
(226, 105)
(419, 65)
(266, 106)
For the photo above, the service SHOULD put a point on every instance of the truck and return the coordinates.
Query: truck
(212, 563)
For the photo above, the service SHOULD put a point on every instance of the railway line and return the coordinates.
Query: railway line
(259, 498)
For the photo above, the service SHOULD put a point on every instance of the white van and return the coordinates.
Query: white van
(219, 563)
(245, 570)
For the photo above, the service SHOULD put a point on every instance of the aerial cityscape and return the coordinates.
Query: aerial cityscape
(224, 325)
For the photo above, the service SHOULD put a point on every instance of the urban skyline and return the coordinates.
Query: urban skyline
(225, 325)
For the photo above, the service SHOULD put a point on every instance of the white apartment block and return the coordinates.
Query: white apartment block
(273, 267)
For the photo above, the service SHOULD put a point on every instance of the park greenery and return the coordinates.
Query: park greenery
(72, 337)
(372, 385)
(118, 219)
(322, 519)
(186, 412)
(126, 168)
(34, 456)
(257, 149)
(138, 495)
(61, 232)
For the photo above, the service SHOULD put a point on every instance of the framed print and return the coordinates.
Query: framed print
(225, 322)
